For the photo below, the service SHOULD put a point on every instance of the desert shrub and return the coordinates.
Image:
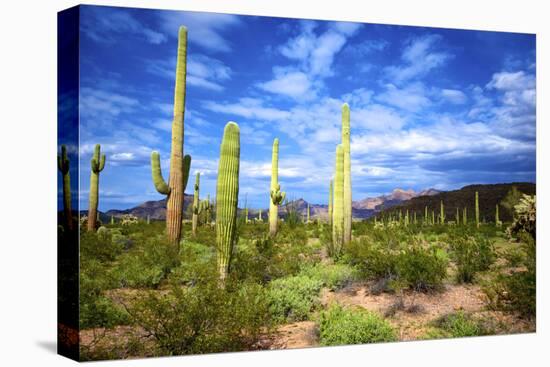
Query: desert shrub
(332, 276)
(525, 217)
(96, 310)
(456, 325)
(338, 326)
(100, 245)
(514, 256)
(147, 265)
(293, 298)
(372, 260)
(422, 268)
(471, 253)
(204, 318)
(198, 263)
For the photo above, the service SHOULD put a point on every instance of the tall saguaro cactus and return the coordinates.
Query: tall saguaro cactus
(477, 209)
(498, 223)
(465, 216)
(97, 164)
(330, 203)
(338, 209)
(442, 212)
(457, 216)
(63, 166)
(196, 205)
(227, 197)
(179, 165)
(276, 196)
(347, 172)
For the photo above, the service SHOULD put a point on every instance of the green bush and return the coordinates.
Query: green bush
(293, 298)
(103, 245)
(204, 318)
(422, 269)
(456, 325)
(372, 260)
(471, 253)
(332, 276)
(339, 326)
(146, 265)
(198, 263)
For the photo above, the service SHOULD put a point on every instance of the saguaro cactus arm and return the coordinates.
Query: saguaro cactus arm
(186, 168)
(161, 185)
(97, 163)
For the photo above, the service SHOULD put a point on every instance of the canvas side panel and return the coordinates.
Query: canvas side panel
(67, 187)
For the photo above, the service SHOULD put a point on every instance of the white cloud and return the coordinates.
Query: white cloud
(512, 81)
(419, 58)
(411, 98)
(454, 96)
(204, 29)
(102, 25)
(248, 108)
(95, 102)
(294, 84)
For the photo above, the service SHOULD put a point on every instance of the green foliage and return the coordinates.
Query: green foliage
(147, 265)
(525, 218)
(512, 198)
(332, 276)
(471, 252)
(422, 268)
(372, 259)
(456, 325)
(204, 318)
(293, 298)
(516, 291)
(339, 326)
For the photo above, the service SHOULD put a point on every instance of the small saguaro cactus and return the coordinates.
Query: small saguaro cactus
(97, 165)
(407, 217)
(477, 209)
(457, 216)
(338, 209)
(498, 223)
(63, 166)
(433, 217)
(196, 205)
(205, 209)
(227, 197)
(347, 173)
(465, 216)
(179, 165)
(112, 220)
(442, 212)
(276, 196)
(330, 203)
(148, 219)
(260, 215)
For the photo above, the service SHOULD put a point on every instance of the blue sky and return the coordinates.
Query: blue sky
(429, 107)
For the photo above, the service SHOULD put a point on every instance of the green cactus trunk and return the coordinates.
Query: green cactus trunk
(433, 217)
(179, 165)
(426, 220)
(497, 219)
(414, 217)
(330, 203)
(112, 220)
(148, 219)
(442, 213)
(457, 217)
(338, 209)
(407, 217)
(97, 165)
(63, 165)
(347, 173)
(477, 209)
(276, 196)
(227, 197)
(196, 205)
(465, 216)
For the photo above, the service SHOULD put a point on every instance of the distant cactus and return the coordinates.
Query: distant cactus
(112, 220)
(128, 219)
(330, 203)
(148, 219)
(477, 209)
(442, 212)
(227, 196)
(205, 209)
(433, 217)
(407, 217)
(63, 166)
(426, 220)
(260, 215)
(196, 205)
(348, 214)
(97, 165)
(498, 223)
(338, 209)
(465, 216)
(457, 216)
(276, 196)
(179, 165)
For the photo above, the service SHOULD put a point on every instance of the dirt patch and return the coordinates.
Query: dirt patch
(302, 334)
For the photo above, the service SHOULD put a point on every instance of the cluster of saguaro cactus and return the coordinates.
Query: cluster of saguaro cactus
(338, 206)
(227, 196)
(196, 205)
(63, 166)
(477, 209)
(205, 208)
(179, 165)
(276, 195)
(347, 172)
(97, 164)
